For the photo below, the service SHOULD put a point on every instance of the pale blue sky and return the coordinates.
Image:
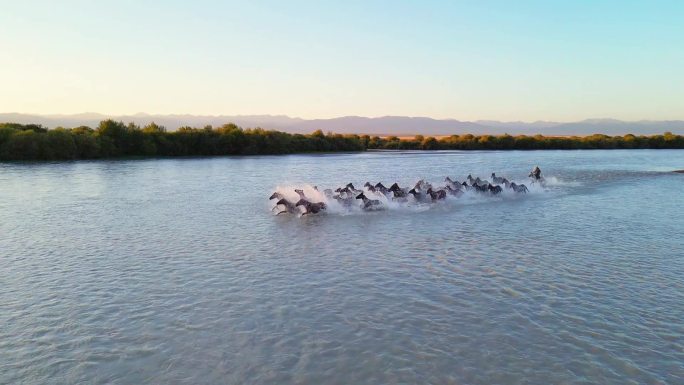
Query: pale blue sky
(506, 60)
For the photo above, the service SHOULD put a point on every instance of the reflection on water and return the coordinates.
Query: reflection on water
(174, 271)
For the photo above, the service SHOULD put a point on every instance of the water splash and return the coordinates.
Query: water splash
(556, 182)
(317, 194)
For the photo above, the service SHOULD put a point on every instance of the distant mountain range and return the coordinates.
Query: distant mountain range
(386, 125)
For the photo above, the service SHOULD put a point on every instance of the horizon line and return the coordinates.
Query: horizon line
(147, 114)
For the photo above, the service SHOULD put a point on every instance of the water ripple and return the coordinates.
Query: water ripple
(171, 271)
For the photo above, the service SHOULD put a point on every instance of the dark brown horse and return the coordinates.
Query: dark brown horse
(436, 195)
(369, 204)
(494, 189)
(276, 195)
(311, 207)
(285, 206)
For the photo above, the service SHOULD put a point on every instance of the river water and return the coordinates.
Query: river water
(174, 271)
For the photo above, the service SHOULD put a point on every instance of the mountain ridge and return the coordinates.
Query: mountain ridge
(383, 125)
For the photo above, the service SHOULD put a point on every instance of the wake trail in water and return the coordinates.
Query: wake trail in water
(552, 181)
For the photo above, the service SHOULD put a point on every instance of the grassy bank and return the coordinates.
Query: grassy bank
(113, 139)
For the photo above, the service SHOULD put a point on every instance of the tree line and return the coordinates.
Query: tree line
(112, 139)
(525, 142)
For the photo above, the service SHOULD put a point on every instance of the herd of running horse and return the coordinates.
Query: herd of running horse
(422, 192)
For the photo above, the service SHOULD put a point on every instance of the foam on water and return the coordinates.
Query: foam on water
(555, 182)
(316, 194)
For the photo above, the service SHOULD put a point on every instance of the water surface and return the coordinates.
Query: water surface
(174, 271)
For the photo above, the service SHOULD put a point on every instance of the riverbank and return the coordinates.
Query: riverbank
(113, 139)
